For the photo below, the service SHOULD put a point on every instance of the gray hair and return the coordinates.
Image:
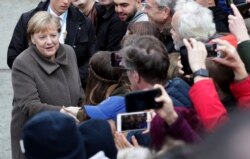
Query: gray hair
(167, 3)
(195, 21)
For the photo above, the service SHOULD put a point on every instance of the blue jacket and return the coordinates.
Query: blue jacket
(178, 90)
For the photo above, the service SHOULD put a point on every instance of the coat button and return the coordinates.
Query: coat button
(74, 46)
(79, 28)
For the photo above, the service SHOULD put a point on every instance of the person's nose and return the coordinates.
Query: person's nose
(118, 9)
(67, 1)
(48, 40)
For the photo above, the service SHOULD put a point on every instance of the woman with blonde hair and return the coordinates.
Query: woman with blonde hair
(45, 76)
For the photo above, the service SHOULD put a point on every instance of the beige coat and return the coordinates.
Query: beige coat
(41, 85)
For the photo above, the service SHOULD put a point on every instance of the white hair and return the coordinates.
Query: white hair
(134, 153)
(167, 3)
(195, 21)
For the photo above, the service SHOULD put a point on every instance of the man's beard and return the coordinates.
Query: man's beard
(178, 45)
(132, 15)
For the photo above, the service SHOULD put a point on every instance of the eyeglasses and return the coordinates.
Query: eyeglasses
(146, 6)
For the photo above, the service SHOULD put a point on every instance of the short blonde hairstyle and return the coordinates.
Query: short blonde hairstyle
(40, 22)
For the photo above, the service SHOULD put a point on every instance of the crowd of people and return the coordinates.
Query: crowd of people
(74, 61)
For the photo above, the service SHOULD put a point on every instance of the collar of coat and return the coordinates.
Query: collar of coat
(47, 65)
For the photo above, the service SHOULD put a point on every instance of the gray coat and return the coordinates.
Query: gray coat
(42, 85)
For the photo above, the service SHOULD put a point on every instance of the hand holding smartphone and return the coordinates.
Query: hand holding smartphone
(133, 121)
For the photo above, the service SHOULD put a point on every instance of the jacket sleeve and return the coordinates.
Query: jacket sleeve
(26, 95)
(180, 129)
(207, 104)
(18, 41)
(243, 50)
(241, 91)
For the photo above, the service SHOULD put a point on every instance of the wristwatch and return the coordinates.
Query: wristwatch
(201, 72)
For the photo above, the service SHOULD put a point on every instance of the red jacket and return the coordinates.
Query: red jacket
(241, 91)
(208, 105)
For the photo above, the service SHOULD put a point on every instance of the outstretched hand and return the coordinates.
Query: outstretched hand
(70, 111)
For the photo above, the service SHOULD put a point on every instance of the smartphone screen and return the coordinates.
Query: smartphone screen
(142, 100)
(133, 121)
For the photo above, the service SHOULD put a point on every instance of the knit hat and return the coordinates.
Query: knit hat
(52, 135)
(98, 137)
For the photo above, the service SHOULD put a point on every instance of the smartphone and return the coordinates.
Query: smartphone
(210, 47)
(133, 121)
(142, 100)
(244, 9)
(184, 61)
(116, 59)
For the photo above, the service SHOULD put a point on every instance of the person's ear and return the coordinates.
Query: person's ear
(137, 3)
(32, 40)
(166, 12)
(136, 77)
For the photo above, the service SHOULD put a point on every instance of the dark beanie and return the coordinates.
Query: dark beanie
(52, 135)
(97, 137)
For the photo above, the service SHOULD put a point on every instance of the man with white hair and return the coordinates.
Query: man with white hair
(191, 20)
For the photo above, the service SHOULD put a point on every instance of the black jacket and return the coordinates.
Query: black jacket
(110, 30)
(80, 35)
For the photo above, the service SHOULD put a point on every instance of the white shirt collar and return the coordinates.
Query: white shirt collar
(62, 17)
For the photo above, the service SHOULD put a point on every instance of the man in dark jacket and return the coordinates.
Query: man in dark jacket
(76, 31)
(110, 29)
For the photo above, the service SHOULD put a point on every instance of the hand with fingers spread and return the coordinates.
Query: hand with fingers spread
(231, 59)
(122, 142)
(167, 111)
(197, 54)
(237, 25)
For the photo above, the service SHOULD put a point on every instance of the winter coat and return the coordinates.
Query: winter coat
(80, 35)
(42, 85)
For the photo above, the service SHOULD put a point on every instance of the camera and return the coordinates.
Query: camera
(142, 100)
(133, 121)
(244, 9)
(210, 47)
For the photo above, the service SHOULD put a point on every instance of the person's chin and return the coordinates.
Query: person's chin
(123, 18)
